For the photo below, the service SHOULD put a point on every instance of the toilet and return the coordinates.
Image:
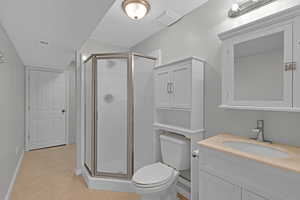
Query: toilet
(158, 181)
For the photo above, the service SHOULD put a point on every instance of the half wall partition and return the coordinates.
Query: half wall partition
(112, 107)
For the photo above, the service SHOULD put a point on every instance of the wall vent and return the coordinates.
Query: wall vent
(168, 17)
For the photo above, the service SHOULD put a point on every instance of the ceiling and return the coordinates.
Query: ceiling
(64, 24)
(118, 29)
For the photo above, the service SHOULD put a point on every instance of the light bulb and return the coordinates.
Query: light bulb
(235, 7)
(83, 58)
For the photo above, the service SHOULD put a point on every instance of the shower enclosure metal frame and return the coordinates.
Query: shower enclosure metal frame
(130, 113)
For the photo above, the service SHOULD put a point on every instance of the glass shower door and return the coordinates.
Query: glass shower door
(113, 127)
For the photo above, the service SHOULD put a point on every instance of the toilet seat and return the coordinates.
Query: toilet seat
(153, 175)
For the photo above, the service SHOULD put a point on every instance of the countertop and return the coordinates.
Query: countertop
(292, 162)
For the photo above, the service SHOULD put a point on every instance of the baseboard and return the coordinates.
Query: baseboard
(78, 172)
(114, 185)
(12, 182)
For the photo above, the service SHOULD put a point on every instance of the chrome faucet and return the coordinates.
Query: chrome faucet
(259, 130)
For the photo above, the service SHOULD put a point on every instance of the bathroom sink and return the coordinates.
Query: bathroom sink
(256, 149)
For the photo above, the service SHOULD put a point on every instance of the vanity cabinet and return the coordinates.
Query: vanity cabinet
(214, 188)
(261, 65)
(173, 86)
(225, 176)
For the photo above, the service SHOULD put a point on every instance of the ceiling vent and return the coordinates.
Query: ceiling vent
(168, 17)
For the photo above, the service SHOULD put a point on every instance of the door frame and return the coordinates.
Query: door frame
(28, 69)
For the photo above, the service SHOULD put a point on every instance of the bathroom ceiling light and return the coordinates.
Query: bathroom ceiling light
(136, 9)
(235, 7)
(242, 7)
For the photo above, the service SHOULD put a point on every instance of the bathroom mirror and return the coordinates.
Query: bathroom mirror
(259, 69)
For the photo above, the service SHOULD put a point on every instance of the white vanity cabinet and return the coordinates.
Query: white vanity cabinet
(225, 176)
(214, 188)
(261, 68)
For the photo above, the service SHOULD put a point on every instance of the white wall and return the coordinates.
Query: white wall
(12, 101)
(93, 46)
(196, 34)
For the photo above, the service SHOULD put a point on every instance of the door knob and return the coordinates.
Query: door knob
(63, 110)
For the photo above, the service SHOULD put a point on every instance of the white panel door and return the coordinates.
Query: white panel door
(162, 88)
(214, 188)
(46, 109)
(181, 87)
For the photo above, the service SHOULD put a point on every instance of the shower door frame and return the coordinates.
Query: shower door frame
(130, 112)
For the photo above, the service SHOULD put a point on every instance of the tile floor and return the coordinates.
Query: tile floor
(48, 174)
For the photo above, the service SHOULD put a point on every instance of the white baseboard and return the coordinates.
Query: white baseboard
(78, 172)
(115, 185)
(12, 182)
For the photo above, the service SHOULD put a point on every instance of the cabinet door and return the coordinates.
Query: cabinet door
(251, 196)
(162, 88)
(297, 62)
(181, 86)
(214, 188)
(258, 70)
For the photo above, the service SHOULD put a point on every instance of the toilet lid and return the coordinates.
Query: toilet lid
(155, 174)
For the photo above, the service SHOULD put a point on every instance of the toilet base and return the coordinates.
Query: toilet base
(169, 194)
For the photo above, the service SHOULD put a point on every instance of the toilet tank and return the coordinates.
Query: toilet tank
(175, 151)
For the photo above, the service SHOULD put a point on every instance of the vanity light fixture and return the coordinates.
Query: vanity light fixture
(84, 57)
(241, 7)
(136, 9)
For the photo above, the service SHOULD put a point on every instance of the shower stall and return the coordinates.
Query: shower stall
(118, 113)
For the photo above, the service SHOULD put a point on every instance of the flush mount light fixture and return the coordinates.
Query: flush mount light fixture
(243, 6)
(136, 9)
